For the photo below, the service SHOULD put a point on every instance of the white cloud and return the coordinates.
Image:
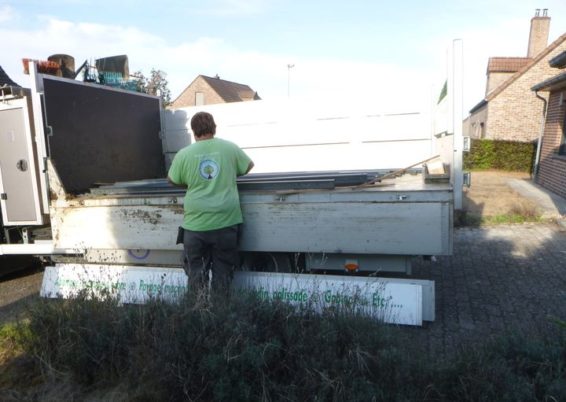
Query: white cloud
(7, 13)
(83, 41)
(264, 72)
(333, 79)
(267, 73)
(233, 7)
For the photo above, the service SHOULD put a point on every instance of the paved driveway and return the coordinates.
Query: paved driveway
(509, 277)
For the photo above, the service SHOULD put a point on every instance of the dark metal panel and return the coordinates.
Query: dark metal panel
(101, 135)
(252, 182)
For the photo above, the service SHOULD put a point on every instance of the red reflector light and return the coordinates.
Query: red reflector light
(351, 266)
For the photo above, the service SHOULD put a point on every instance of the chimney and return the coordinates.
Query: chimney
(538, 38)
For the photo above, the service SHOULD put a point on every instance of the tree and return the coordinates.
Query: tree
(156, 85)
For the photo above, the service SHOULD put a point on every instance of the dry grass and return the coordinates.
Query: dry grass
(8, 346)
(490, 195)
(491, 200)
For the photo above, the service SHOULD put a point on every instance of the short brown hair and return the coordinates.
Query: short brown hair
(203, 123)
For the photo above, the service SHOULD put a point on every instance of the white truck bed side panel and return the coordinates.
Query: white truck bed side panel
(368, 222)
(367, 228)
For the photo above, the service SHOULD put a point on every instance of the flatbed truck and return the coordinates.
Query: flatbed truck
(82, 186)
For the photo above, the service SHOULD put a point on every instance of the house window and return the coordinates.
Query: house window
(199, 98)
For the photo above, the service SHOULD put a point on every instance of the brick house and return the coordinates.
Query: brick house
(207, 90)
(510, 110)
(551, 153)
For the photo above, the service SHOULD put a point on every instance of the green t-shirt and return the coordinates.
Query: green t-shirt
(209, 169)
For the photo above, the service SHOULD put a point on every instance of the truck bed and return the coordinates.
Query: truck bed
(402, 216)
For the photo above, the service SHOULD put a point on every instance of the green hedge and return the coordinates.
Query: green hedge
(500, 155)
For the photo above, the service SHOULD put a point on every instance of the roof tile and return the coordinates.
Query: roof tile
(230, 91)
(506, 64)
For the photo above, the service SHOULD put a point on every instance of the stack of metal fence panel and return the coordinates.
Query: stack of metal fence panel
(251, 182)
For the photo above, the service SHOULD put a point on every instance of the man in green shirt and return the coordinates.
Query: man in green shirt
(208, 170)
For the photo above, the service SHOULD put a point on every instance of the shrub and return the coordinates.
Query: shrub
(500, 155)
(247, 349)
(251, 349)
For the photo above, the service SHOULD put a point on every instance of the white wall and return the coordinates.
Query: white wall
(299, 136)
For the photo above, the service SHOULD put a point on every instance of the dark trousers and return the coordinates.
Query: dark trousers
(215, 250)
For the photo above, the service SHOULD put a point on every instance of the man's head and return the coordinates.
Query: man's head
(203, 124)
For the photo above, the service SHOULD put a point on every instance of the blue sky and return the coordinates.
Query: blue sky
(372, 50)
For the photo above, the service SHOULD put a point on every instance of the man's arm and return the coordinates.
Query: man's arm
(175, 184)
(250, 167)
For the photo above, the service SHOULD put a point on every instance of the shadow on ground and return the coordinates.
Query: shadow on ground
(499, 278)
(17, 288)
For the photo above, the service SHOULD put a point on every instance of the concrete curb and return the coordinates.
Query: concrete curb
(551, 205)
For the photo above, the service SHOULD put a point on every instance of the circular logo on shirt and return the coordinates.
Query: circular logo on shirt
(208, 169)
